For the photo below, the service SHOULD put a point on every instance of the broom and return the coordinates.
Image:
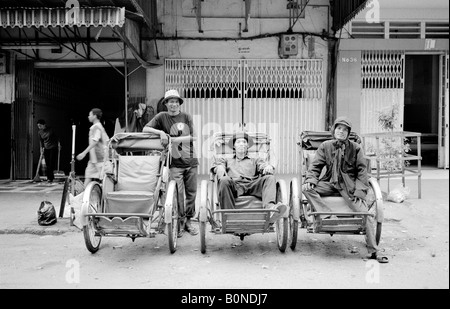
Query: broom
(37, 178)
(58, 173)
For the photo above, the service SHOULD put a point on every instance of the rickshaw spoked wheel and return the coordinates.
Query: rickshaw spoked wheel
(172, 227)
(68, 184)
(378, 232)
(204, 206)
(282, 224)
(92, 240)
(281, 227)
(294, 205)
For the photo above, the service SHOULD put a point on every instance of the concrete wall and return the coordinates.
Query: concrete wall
(349, 87)
(223, 37)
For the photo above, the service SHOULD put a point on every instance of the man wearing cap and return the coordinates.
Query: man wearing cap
(346, 174)
(183, 168)
(242, 175)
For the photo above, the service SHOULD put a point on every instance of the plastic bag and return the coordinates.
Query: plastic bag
(398, 194)
(46, 213)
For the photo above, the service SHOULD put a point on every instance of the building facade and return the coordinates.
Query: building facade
(397, 53)
(250, 65)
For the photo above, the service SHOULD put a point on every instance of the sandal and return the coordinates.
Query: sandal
(380, 259)
(190, 229)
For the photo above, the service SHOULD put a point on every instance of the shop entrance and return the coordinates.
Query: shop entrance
(421, 104)
(99, 87)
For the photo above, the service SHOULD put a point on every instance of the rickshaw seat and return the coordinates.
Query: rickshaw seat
(248, 202)
(136, 183)
(337, 204)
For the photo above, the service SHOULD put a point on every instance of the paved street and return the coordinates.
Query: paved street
(415, 237)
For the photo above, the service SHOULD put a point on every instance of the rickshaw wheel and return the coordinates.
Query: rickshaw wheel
(68, 184)
(282, 233)
(202, 237)
(91, 240)
(204, 205)
(378, 232)
(294, 205)
(293, 226)
(282, 224)
(172, 227)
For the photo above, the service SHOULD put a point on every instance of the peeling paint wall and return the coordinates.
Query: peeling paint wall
(223, 37)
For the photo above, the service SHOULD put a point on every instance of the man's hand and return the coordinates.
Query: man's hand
(359, 202)
(268, 170)
(81, 156)
(308, 186)
(164, 139)
(220, 171)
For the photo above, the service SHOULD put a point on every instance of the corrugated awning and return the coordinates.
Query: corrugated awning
(346, 10)
(60, 17)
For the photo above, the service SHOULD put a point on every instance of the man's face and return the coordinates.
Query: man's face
(41, 126)
(91, 117)
(173, 105)
(241, 145)
(341, 132)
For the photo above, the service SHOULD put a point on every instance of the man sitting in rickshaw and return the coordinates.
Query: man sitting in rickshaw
(242, 175)
(346, 174)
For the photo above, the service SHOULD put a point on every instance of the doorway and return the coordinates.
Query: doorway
(99, 87)
(421, 104)
(5, 137)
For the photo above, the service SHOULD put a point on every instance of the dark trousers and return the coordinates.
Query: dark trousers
(50, 156)
(325, 188)
(186, 179)
(264, 188)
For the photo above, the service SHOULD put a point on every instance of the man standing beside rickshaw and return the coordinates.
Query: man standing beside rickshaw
(183, 168)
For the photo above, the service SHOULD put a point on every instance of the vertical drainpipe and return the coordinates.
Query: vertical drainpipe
(126, 84)
(330, 111)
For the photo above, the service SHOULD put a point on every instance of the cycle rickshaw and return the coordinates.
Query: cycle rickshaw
(303, 215)
(135, 198)
(248, 217)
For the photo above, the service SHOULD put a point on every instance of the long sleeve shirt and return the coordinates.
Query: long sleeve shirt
(349, 171)
(246, 168)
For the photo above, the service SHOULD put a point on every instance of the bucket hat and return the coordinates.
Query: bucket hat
(172, 94)
(240, 135)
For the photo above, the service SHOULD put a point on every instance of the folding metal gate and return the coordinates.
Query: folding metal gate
(279, 97)
(444, 122)
(382, 87)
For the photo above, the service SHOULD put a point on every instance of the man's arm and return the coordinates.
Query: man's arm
(219, 167)
(316, 166)
(92, 142)
(153, 126)
(362, 179)
(263, 167)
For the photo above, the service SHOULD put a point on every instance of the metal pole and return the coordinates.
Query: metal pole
(126, 84)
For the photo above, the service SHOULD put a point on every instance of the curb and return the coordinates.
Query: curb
(40, 230)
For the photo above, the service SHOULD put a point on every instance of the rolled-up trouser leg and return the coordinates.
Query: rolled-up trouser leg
(314, 196)
(227, 193)
(264, 188)
(190, 184)
(370, 222)
(177, 174)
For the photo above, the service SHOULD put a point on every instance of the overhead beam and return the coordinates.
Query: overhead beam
(147, 20)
